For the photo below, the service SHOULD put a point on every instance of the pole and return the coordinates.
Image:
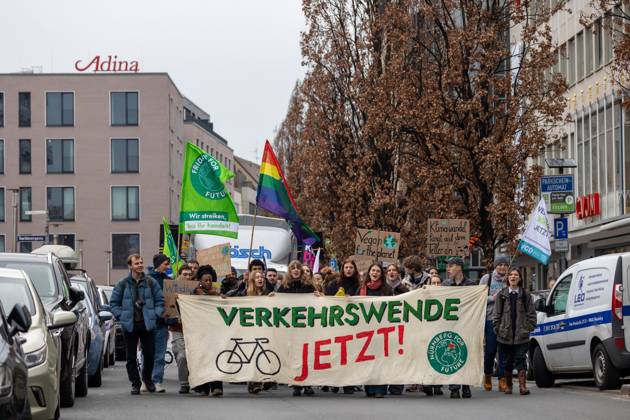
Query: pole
(251, 240)
(15, 192)
(109, 254)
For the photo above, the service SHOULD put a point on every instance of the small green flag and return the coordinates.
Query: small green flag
(205, 204)
(170, 247)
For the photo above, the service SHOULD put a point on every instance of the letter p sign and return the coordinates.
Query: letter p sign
(561, 228)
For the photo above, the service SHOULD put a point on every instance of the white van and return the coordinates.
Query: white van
(584, 324)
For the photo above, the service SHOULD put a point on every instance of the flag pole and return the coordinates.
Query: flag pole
(251, 240)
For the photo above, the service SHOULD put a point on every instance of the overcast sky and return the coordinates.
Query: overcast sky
(237, 59)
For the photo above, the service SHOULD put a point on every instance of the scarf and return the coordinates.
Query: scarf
(372, 285)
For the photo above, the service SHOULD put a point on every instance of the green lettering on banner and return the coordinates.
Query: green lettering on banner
(351, 312)
(228, 319)
(430, 304)
(336, 312)
(297, 315)
(393, 310)
(278, 317)
(373, 312)
(417, 311)
(312, 316)
(450, 305)
(263, 315)
(246, 317)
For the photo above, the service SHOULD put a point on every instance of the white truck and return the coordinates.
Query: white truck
(273, 243)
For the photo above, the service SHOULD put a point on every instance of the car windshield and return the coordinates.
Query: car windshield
(14, 291)
(40, 273)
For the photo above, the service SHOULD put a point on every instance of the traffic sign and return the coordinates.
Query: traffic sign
(562, 245)
(561, 228)
(557, 191)
(31, 238)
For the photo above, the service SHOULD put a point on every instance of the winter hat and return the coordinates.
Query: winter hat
(456, 261)
(501, 259)
(158, 259)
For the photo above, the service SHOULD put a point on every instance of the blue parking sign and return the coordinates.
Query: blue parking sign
(561, 228)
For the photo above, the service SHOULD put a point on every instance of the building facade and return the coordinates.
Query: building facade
(103, 155)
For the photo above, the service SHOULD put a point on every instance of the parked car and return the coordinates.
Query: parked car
(120, 336)
(52, 284)
(110, 331)
(97, 318)
(13, 371)
(584, 324)
(41, 342)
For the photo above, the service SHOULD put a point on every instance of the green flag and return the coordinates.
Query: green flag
(205, 204)
(170, 247)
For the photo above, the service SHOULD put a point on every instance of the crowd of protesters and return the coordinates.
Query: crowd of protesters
(138, 303)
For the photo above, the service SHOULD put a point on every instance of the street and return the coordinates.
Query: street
(572, 400)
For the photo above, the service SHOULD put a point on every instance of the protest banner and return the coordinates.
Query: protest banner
(380, 245)
(171, 289)
(430, 336)
(218, 257)
(448, 237)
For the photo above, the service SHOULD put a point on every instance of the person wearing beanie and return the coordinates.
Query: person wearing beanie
(161, 263)
(496, 281)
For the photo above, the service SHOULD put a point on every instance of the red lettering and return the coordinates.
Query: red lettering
(304, 373)
(343, 348)
(318, 365)
(588, 206)
(96, 60)
(362, 357)
(385, 331)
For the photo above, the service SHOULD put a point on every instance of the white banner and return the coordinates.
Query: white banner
(427, 336)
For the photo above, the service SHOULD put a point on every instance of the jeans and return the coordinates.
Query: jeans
(147, 345)
(514, 356)
(161, 340)
(375, 389)
(179, 351)
(490, 352)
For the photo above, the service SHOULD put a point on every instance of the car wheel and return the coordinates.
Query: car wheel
(605, 374)
(97, 379)
(67, 388)
(81, 387)
(544, 378)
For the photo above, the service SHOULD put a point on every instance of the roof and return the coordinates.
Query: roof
(251, 169)
(15, 256)
(65, 253)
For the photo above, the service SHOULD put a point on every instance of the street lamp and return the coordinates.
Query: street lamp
(16, 199)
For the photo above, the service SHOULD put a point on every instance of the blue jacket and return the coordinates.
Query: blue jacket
(122, 301)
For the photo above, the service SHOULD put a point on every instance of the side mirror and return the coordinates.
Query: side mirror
(540, 305)
(19, 319)
(62, 319)
(105, 315)
(76, 295)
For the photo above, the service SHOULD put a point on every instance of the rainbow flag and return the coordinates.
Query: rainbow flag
(274, 196)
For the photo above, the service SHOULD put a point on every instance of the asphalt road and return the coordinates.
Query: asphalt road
(572, 400)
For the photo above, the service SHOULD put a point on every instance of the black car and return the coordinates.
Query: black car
(13, 371)
(53, 286)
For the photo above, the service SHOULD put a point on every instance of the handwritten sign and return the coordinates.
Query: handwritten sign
(218, 257)
(171, 289)
(363, 262)
(377, 244)
(448, 237)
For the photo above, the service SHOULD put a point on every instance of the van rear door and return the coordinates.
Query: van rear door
(626, 298)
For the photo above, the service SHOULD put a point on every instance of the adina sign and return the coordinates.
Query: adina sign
(429, 336)
(107, 64)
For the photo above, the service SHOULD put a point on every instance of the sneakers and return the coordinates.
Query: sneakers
(297, 392)
(428, 390)
(135, 390)
(379, 395)
(348, 390)
(159, 388)
(466, 392)
(308, 391)
(143, 388)
(438, 390)
(455, 393)
(184, 389)
(217, 392)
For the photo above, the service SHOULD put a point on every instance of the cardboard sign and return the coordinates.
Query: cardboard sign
(171, 289)
(448, 237)
(363, 262)
(218, 257)
(377, 244)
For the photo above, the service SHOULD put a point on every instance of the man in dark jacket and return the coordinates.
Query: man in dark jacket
(137, 302)
(456, 277)
(161, 263)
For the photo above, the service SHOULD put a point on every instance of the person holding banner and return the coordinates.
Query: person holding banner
(272, 279)
(394, 281)
(513, 320)
(256, 286)
(177, 338)
(296, 281)
(416, 277)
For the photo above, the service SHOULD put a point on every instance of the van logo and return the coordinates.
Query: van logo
(261, 252)
(580, 295)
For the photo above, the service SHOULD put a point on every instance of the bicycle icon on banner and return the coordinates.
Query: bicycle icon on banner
(232, 361)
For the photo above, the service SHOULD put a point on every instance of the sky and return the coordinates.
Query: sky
(236, 59)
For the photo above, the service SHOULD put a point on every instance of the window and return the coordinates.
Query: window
(26, 247)
(60, 156)
(125, 203)
(571, 55)
(564, 61)
(1, 204)
(59, 109)
(599, 43)
(62, 239)
(579, 56)
(587, 155)
(589, 35)
(26, 203)
(125, 155)
(124, 108)
(560, 296)
(580, 157)
(60, 203)
(608, 40)
(1, 156)
(24, 100)
(1, 109)
(2, 244)
(123, 245)
(25, 156)
(610, 176)
(593, 154)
